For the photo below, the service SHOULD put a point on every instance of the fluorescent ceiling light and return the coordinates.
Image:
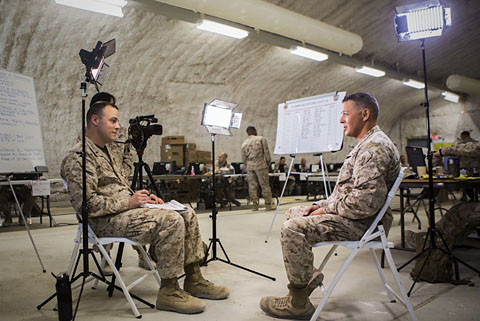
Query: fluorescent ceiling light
(110, 7)
(370, 71)
(308, 53)
(451, 97)
(421, 20)
(222, 29)
(413, 83)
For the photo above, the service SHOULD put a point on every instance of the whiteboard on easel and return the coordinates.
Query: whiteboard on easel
(310, 125)
(21, 143)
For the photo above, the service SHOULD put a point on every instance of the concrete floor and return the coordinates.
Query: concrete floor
(358, 296)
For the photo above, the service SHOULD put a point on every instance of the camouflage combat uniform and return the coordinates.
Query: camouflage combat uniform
(256, 158)
(365, 178)
(459, 221)
(469, 153)
(175, 236)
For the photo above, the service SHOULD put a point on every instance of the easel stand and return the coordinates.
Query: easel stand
(26, 224)
(432, 230)
(281, 196)
(323, 166)
(214, 240)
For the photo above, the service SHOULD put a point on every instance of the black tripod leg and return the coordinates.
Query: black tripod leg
(152, 181)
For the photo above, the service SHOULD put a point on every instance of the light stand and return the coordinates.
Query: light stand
(216, 125)
(96, 71)
(420, 21)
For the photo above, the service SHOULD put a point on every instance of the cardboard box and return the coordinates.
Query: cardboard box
(190, 153)
(170, 153)
(173, 140)
(204, 156)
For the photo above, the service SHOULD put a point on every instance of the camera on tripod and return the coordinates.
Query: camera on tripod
(141, 129)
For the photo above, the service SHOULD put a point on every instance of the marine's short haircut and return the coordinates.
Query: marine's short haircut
(102, 96)
(250, 129)
(97, 109)
(365, 100)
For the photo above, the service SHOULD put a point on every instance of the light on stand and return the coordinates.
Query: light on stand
(222, 29)
(308, 53)
(110, 7)
(421, 20)
(218, 117)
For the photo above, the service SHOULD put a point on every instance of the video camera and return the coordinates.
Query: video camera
(141, 130)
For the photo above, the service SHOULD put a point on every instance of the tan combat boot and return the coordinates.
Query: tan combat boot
(269, 206)
(255, 206)
(295, 305)
(171, 298)
(197, 286)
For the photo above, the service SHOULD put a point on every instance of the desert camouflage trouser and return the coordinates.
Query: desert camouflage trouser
(298, 234)
(257, 177)
(175, 237)
(459, 221)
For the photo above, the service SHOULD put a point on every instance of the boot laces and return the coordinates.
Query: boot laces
(280, 303)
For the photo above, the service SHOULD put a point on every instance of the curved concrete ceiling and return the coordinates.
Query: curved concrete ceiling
(168, 67)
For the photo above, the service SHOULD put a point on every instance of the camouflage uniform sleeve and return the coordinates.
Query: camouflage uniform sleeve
(367, 195)
(244, 157)
(266, 151)
(470, 149)
(127, 163)
(98, 205)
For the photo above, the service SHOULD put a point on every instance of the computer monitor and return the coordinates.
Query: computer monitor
(296, 167)
(282, 167)
(314, 168)
(415, 157)
(159, 168)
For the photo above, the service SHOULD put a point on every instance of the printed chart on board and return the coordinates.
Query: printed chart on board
(310, 125)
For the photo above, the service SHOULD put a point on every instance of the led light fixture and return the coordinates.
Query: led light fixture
(413, 83)
(421, 20)
(110, 7)
(370, 71)
(309, 53)
(454, 98)
(222, 29)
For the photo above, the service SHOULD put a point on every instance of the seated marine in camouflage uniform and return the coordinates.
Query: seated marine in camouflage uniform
(365, 178)
(115, 210)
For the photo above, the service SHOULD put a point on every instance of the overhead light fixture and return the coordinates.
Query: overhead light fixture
(308, 53)
(222, 29)
(370, 71)
(413, 83)
(421, 20)
(110, 7)
(454, 98)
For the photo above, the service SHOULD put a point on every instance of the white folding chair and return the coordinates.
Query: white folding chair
(100, 242)
(368, 241)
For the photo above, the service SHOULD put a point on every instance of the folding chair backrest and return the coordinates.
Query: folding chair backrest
(390, 196)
